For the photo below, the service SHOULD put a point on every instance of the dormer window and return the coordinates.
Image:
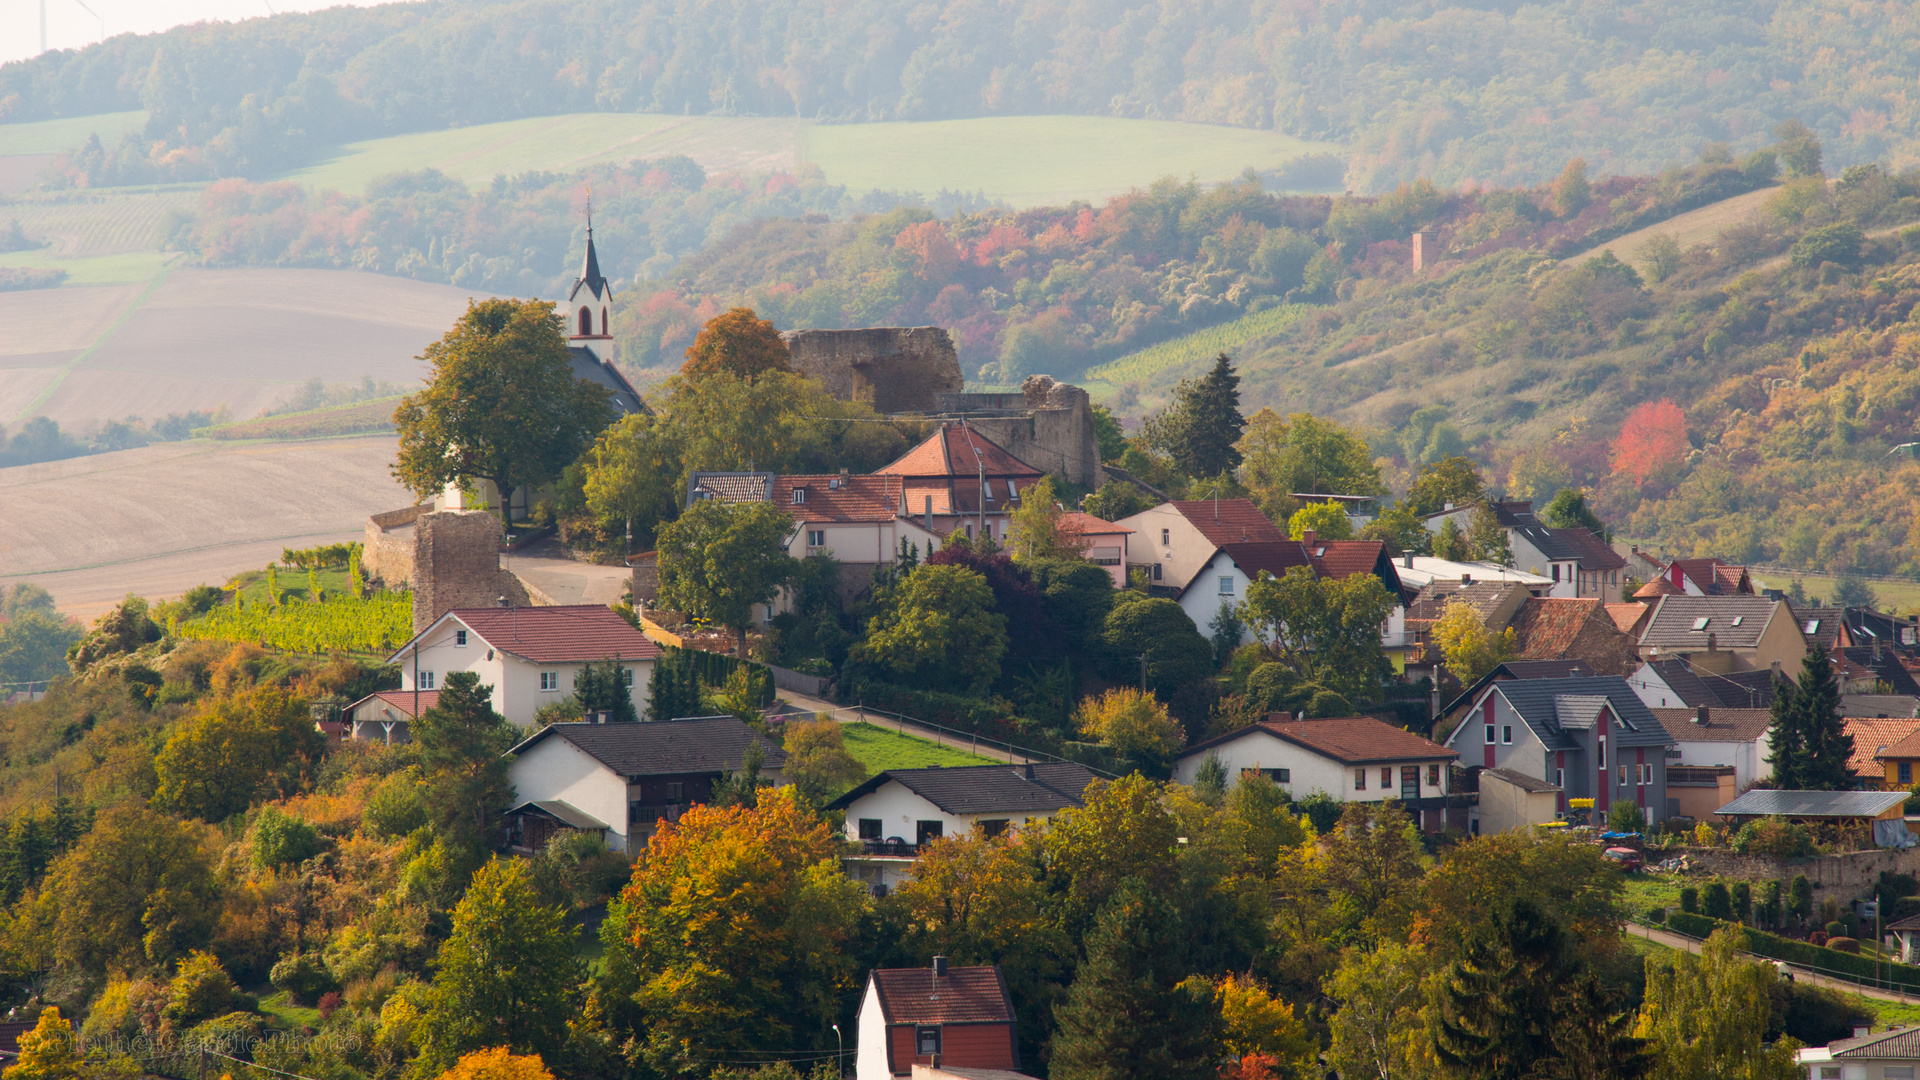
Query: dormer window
(799, 496)
(1012, 492)
(1737, 619)
(1700, 624)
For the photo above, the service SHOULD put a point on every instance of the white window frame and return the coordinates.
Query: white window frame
(459, 639)
(1506, 734)
(549, 681)
(424, 679)
(1226, 584)
(1490, 735)
(816, 538)
(799, 496)
(1602, 742)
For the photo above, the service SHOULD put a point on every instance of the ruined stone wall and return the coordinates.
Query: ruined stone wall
(386, 553)
(1056, 434)
(896, 368)
(456, 563)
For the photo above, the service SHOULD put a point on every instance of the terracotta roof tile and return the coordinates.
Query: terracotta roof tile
(1088, 525)
(1627, 616)
(964, 995)
(1345, 558)
(401, 700)
(1723, 725)
(956, 451)
(563, 634)
(1870, 737)
(1658, 587)
(732, 487)
(1353, 740)
(1228, 521)
(1908, 747)
(1545, 628)
(861, 498)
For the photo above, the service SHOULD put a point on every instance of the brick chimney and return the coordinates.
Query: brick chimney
(1308, 537)
(1702, 716)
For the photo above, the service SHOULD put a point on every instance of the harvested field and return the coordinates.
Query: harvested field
(161, 519)
(1702, 226)
(361, 419)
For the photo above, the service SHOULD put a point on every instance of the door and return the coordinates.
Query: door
(1409, 783)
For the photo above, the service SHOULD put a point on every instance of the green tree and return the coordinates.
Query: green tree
(1176, 654)
(633, 477)
(720, 560)
(1134, 725)
(1116, 499)
(938, 629)
(1128, 1013)
(280, 839)
(1040, 528)
(1076, 597)
(1571, 192)
(506, 974)
(1807, 742)
(1469, 647)
(1108, 434)
(1378, 1030)
(606, 687)
(818, 763)
(1498, 1003)
(462, 742)
(1304, 453)
(501, 405)
(739, 344)
(1569, 509)
(138, 890)
(1707, 1015)
(1122, 831)
(34, 637)
(1400, 529)
(1662, 257)
(1852, 590)
(1327, 521)
(234, 750)
(1797, 148)
(673, 690)
(1324, 630)
(1201, 426)
(1451, 480)
(1486, 538)
(1450, 543)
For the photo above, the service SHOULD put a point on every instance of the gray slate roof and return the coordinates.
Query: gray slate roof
(1722, 726)
(1900, 1045)
(1577, 710)
(987, 789)
(590, 368)
(563, 811)
(1761, 802)
(1671, 626)
(709, 744)
(1733, 690)
(1536, 700)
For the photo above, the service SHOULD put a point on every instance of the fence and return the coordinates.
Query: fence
(1869, 971)
(810, 685)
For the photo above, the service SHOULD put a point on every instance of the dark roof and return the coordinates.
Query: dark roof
(1672, 625)
(568, 633)
(1537, 702)
(1521, 669)
(1545, 627)
(590, 278)
(1732, 690)
(1519, 780)
(1819, 624)
(834, 498)
(1903, 1044)
(1886, 668)
(1273, 557)
(1351, 740)
(708, 744)
(590, 368)
(1593, 552)
(1866, 623)
(401, 700)
(1485, 597)
(1766, 802)
(561, 811)
(964, 995)
(959, 451)
(730, 487)
(986, 789)
(1229, 521)
(1723, 725)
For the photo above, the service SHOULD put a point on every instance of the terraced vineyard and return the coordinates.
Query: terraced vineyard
(378, 623)
(1199, 346)
(86, 223)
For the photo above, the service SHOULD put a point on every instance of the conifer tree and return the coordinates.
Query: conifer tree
(673, 690)
(1204, 422)
(1807, 741)
(603, 687)
(1786, 742)
(1500, 1000)
(1128, 1013)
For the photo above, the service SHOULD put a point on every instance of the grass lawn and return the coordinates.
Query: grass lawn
(117, 269)
(1195, 349)
(879, 749)
(1894, 595)
(286, 1014)
(253, 583)
(53, 136)
(1651, 890)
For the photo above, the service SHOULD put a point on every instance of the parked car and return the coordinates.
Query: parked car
(1626, 857)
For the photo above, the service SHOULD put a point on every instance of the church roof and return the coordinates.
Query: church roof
(587, 366)
(590, 278)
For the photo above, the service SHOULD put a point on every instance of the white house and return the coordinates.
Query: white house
(531, 656)
(921, 1022)
(1176, 542)
(1574, 560)
(895, 814)
(625, 778)
(1351, 758)
(1888, 1055)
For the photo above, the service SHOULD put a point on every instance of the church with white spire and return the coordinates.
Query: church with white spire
(588, 311)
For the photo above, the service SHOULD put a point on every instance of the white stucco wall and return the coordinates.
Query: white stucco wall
(515, 681)
(1308, 772)
(1183, 554)
(1202, 601)
(870, 1059)
(1748, 758)
(557, 769)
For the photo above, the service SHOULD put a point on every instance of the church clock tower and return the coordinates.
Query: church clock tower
(589, 309)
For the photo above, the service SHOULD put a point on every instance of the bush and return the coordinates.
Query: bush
(1844, 944)
(1773, 838)
(1815, 1015)
(280, 839)
(1626, 817)
(1904, 908)
(1800, 897)
(1717, 903)
(1690, 900)
(1836, 928)
(398, 806)
(329, 1004)
(1838, 244)
(1818, 937)
(1742, 897)
(199, 992)
(1656, 915)
(303, 976)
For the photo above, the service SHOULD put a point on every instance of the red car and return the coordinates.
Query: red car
(1628, 858)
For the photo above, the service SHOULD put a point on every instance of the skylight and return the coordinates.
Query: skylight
(1700, 624)
(1737, 619)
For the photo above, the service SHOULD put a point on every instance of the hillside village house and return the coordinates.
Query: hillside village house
(1591, 737)
(1887, 1055)
(1673, 683)
(958, 479)
(1717, 753)
(941, 1017)
(621, 779)
(1568, 628)
(1578, 563)
(1351, 758)
(531, 656)
(1724, 634)
(894, 815)
(384, 715)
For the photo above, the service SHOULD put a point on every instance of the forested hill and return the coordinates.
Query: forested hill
(1496, 92)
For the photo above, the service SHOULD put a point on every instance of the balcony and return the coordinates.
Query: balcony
(889, 849)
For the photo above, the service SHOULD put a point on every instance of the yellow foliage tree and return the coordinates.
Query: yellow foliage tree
(46, 1052)
(1133, 723)
(1326, 521)
(1470, 648)
(498, 1064)
(1256, 1022)
(1040, 528)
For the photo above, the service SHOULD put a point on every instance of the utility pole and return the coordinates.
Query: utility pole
(1143, 673)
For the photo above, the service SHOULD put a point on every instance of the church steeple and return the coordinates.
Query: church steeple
(590, 302)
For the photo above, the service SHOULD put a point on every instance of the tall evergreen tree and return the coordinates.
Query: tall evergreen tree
(461, 742)
(1128, 1013)
(1204, 421)
(673, 690)
(1500, 1000)
(1786, 741)
(603, 687)
(1828, 747)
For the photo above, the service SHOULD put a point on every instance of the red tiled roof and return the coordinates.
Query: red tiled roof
(1088, 525)
(1658, 587)
(1716, 578)
(964, 995)
(1908, 747)
(1627, 616)
(1869, 736)
(1545, 628)
(1733, 579)
(567, 633)
(1354, 740)
(951, 452)
(402, 700)
(1274, 557)
(1228, 521)
(1345, 558)
(861, 498)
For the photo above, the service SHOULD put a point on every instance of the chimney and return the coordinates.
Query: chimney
(1407, 560)
(1876, 648)
(1029, 770)
(1308, 537)
(1701, 715)
(939, 966)
(1466, 580)
(1713, 641)
(1433, 705)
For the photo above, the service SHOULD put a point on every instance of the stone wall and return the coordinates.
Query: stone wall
(1842, 877)
(1055, 433)
(386, 553)
(896, 368)
(456, 563)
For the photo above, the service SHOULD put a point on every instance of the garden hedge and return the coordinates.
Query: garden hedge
(1854, 968)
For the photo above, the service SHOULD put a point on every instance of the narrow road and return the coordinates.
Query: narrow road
(1680, 941)
(846, 715)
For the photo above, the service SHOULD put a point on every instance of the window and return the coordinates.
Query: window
(869, 828)
(1012, 492)
(1506, 734)
(1386, 778)
(926, 1041)
(1156, 571)
(1226, 585)
(1166, 537)
(1738, 619)
(460, 639)
(925, 832)
(1556, 573)
(626, 677)
(1897, 1072)
(1560, 777)
(549, 680)
(676, 791)
(1829, 1072)
(1603, 753)
(1906, 772)
(1433, 776)
(1283, 776)
(426, 680)
(1359, 779)
(799, 496)
(603, 322)
(1701, 623)
(816, 538)
(994, 827)
(586, 322)
(1489, 734)
(1623, 776)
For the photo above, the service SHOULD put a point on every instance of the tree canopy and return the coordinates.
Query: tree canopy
(739, 344)
(720, 560)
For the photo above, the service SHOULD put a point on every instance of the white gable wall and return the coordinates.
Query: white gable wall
(1308, 771)
(556, 769)
(870, 1055)
(1202, 601)
(516, 682)
(899, 809)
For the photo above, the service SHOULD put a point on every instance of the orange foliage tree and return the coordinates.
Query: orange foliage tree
(737, 343)
(497, 1064)
(932, 251)
(1652, 439)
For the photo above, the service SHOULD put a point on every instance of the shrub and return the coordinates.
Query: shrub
(1656, 915)
(199, 992)
(1717, 903)
(1703, 835)
(303, 976)
(1742, 897)
(1844, 944)
(1836, 928)
(1690, 900)
(329, 1004)
(1800, 897)
(280, 839)
(1818, 937)
(1625, 817)
(1773, 838)
(398, 806)
(1838, 244)
(1810, 953)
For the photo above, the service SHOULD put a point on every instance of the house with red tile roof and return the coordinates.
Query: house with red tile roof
(1579, 563)
(1708, 577)
(530, 656)
(1351, 758)
(1103, 543)
(385, 715)
(950, 1017)
(1874, 737)
(1565, 628)
(960, 479)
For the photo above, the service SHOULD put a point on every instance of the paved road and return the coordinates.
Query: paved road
(1681, 941)
(848, 715)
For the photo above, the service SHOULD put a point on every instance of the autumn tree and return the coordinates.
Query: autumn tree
(1453, 480)
(1121, 831)
(737, 343)
(720, 560)
(938, 629)
(734, 932)
(818, 763)
(137, 891)
(1707, 1015)
(1469, 646)
(1373, 866)
(1571, 192)
(1041, 529)
(1254, 1022)
(930, 253)
(1303, 453)
(1327, 521)
(1379, 1029)
(1653, 440)
(505, 975)
(1323, 630)
(501, 405)
(497, 1063)
(1135, 725)
(234, 750)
